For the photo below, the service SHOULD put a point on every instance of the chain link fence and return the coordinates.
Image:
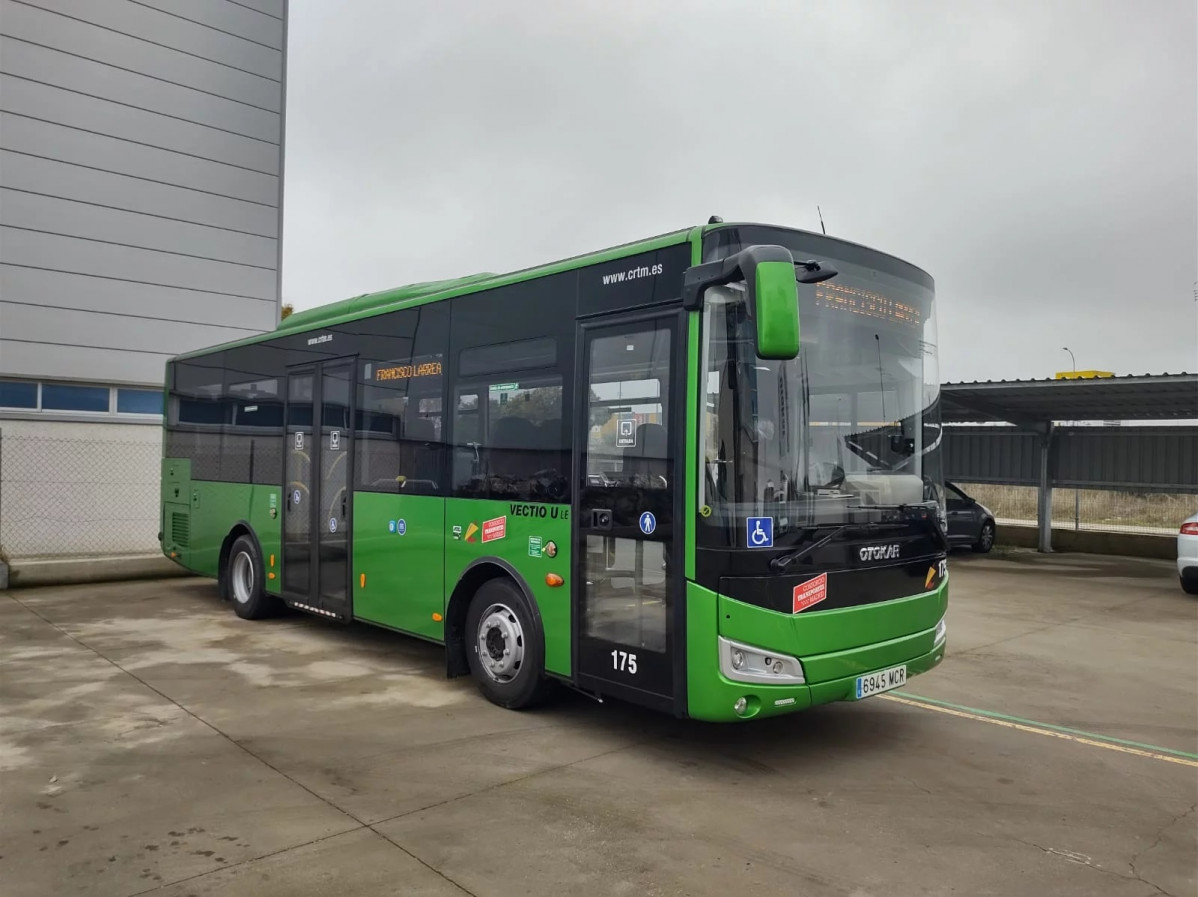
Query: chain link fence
(79, 494)
(1088, 509)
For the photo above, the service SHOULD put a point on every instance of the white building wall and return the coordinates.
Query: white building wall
(141, 162)
(141, 183)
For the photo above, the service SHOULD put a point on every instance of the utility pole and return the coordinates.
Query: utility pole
(1077, 505)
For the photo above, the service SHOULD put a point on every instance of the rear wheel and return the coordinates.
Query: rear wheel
(244, 581)
(506, 651)
(1189, 585)
(985, 538)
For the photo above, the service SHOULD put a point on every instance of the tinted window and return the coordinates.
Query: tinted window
(513, 364)
(139, 401)
(57, 397)
(16, 394)
(399, 424)
(511, 442)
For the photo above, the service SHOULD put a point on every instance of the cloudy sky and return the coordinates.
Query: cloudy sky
(1037, 157)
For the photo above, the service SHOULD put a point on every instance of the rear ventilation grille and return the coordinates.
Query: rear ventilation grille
(180, 529)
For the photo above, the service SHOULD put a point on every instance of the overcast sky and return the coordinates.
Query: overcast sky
(1037, 158)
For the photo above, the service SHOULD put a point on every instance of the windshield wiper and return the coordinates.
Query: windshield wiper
(780, 563)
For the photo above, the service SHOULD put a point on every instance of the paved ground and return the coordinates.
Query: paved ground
(153, 742)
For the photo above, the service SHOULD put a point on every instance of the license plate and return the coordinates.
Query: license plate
(882, 680)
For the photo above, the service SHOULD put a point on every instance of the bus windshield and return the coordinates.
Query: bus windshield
(846, 433)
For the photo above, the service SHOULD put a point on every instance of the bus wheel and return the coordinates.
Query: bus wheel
(506, 654)
(244, 578)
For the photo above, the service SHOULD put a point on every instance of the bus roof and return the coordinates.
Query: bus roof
(368, 304)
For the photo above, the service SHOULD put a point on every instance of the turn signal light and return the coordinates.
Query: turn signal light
(553, 580)
(1190, 529)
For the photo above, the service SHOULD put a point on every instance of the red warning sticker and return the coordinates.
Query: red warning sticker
(494, 529)
(813, 591)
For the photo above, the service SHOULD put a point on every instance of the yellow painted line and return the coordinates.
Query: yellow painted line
(1038, 730)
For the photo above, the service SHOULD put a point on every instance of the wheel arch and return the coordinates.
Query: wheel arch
(477, 572)
(239, 529)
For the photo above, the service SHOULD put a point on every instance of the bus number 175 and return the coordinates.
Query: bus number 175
(623, 661)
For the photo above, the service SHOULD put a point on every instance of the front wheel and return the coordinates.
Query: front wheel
(506, 652)
(1189, 585)
(244, 582)
(985, 538)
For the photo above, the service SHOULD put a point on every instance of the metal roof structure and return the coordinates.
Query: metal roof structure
(1032, 402)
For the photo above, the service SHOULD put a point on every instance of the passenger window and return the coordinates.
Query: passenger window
(513, 445)
(398, 426)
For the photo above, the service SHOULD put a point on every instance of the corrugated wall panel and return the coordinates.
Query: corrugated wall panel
(41, 27)
(1150, 459)
(140, 153)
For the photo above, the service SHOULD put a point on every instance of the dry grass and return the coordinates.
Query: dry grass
(1126, 510)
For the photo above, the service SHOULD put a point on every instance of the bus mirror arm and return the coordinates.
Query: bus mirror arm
(812, 271)
(740, 266)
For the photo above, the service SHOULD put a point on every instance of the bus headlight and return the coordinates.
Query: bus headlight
(941, 633)
(746, 663)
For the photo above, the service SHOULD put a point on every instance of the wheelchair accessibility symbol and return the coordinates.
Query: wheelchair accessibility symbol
(759, 532)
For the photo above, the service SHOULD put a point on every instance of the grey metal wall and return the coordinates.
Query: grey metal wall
(1146, 459)
(141, 161)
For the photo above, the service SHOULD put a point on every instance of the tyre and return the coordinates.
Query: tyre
(245, 582)
(505, 647)
(985, 538)
(1190, 585)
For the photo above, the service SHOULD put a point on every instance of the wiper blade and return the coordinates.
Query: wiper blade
(780, 563)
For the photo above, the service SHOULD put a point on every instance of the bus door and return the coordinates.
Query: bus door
(317, 512)
(627, 613)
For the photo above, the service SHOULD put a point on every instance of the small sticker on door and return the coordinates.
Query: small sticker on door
(299, 442)
(295, 497)
(335, 440)
(495, 529)
(332, 524)
(626, 432)
(811, 592)
(648, 523)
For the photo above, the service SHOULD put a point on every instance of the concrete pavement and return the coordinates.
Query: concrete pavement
(153, 742)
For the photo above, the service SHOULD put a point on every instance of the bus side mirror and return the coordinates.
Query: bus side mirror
(769, 274)
(777, 308)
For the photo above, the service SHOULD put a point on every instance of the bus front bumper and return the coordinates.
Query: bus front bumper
(717, 693)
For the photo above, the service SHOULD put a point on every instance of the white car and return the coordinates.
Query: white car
(1187, 554)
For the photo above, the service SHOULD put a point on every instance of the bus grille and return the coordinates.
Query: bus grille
(180, 529)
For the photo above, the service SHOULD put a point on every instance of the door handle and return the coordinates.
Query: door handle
(343, 505)
(601, 518)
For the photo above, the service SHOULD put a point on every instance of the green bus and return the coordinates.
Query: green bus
(699, 472)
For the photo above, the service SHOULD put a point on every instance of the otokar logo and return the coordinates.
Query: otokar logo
(879, 552)
(323, 338)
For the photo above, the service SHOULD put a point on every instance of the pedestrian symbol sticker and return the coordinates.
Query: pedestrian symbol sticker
(335, 440)
(332, 524)
(401, 527)
(648, 523)
(759, 532)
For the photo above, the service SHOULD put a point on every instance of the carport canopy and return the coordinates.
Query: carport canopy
(1036, 402)
(1038, 405)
